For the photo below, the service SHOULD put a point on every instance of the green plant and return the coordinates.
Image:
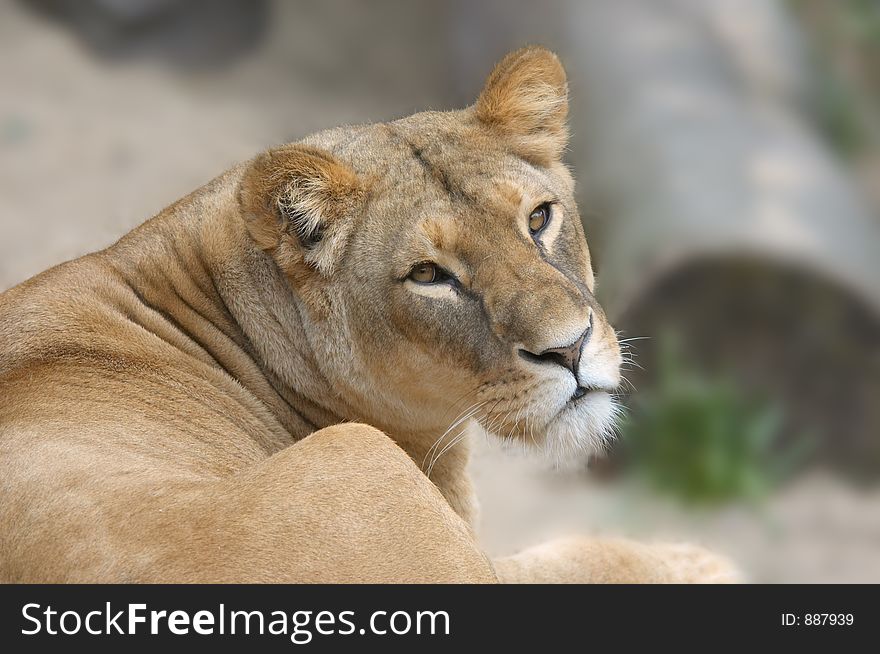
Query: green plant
(706, 440)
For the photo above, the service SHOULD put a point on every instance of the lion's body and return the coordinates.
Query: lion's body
(184, 405)
(139, 437)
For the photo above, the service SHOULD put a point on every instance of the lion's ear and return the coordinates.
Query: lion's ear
(296, 202)
(526, 99)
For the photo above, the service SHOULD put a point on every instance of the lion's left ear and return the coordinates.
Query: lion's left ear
(297, 203)
(526, 100)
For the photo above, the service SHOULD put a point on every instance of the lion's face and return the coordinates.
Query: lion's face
(450, 246)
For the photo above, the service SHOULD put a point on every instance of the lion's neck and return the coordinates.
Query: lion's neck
(228, 304)
(275, 326)
(200, 285)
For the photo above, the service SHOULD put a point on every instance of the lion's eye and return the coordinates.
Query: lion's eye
(539, 218)
(426, 273)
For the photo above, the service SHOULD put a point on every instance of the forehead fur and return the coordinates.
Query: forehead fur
(441, 234)
(521, 112)
(435, 157)
(510, 192)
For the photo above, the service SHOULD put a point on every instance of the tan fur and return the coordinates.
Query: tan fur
(189, 404)
(615, 561)
(526, 97)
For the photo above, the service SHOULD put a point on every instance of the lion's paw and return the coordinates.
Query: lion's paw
(691, 564)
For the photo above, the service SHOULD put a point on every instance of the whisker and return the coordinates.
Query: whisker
(634, 338)
(455, 441)
(515, 424)
(491, 425)
(460, 398)
(462, 417)
(531, 430)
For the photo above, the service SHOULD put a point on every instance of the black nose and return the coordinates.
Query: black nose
(568, 357)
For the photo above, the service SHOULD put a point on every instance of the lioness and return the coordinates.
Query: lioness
(252, 386)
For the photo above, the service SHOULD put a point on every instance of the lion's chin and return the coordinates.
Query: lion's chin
(583, 427)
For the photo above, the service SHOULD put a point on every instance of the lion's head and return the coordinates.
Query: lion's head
(443, 264)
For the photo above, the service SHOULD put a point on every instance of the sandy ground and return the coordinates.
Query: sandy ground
(89, 150)
(818, 529)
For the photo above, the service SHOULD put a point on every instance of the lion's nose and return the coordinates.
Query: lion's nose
(568, 357)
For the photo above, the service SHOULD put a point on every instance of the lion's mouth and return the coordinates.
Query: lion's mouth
(582, 391)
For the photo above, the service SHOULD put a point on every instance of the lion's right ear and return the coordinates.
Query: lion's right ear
(296, 201)
(525, 100)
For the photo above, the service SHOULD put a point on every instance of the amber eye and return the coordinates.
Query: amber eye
(539, 218)
(424, 273)
(428, 272)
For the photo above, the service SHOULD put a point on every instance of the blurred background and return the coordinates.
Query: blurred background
(728, 158)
